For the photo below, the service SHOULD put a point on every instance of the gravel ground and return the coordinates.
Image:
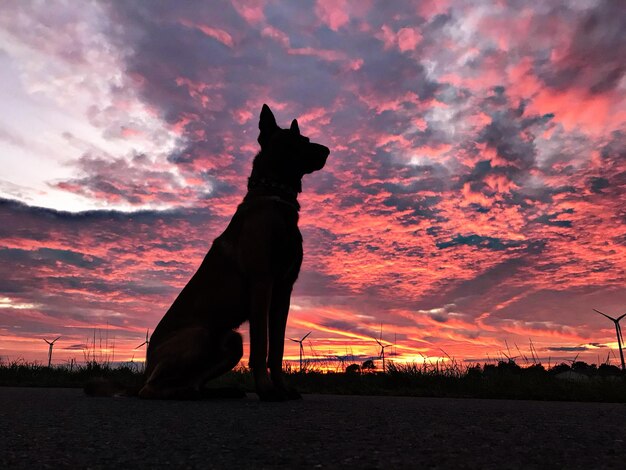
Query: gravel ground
(62, 428)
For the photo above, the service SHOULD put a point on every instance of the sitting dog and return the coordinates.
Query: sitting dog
(247, 275)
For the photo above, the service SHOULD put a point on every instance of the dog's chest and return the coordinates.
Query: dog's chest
(289, 255)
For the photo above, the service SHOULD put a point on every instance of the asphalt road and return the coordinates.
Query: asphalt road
(62, 428)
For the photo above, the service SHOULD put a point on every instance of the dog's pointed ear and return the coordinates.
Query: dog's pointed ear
(294, 127)
(267, 121)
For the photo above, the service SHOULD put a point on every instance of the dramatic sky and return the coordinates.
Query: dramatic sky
(475, 193)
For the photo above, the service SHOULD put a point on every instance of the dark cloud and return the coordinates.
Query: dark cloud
(568, 348)
(596, 57)
(418, 206)
(489, 243)
(49, 257)
(615, 149)
(511, 133)
(551, 219)
(392, 74)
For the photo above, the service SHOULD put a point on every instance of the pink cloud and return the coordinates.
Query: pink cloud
(250, 10)
(408, 38)
(277, 35)
(333, 13)
(405, 39)
(324, 54)
(216, 33)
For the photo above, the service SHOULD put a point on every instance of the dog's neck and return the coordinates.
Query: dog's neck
(261, 187)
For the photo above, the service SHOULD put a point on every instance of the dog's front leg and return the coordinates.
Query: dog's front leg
(277, 324)
(261, 298)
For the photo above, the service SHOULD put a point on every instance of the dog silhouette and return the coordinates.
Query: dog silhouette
(247, 275)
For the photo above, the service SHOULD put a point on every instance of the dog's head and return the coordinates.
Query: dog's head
(286, 153)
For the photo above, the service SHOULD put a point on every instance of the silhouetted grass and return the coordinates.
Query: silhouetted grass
(70, 375)
(504, 380)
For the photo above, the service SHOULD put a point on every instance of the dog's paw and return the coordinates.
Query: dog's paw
(280, 384)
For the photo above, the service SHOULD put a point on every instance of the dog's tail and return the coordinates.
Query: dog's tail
(105, 387)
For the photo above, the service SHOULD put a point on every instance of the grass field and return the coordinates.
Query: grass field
(506, 379)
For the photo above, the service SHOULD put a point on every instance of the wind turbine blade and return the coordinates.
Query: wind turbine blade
(379, 343)
(46, 340)
(294, 340)
(145, 342)
(304, 337)
(621, 316)
(56, 338)
(610, 318)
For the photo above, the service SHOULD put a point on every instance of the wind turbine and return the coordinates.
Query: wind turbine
(382, 347)
(301, 347)
(618, 333)
(147, 343)
(51, 343)
(509, 358)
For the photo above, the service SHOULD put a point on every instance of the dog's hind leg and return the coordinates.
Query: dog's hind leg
(188, 360)
(176, 365)
(227, 352)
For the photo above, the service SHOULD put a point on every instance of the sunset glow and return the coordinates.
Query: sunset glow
(474, 197)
